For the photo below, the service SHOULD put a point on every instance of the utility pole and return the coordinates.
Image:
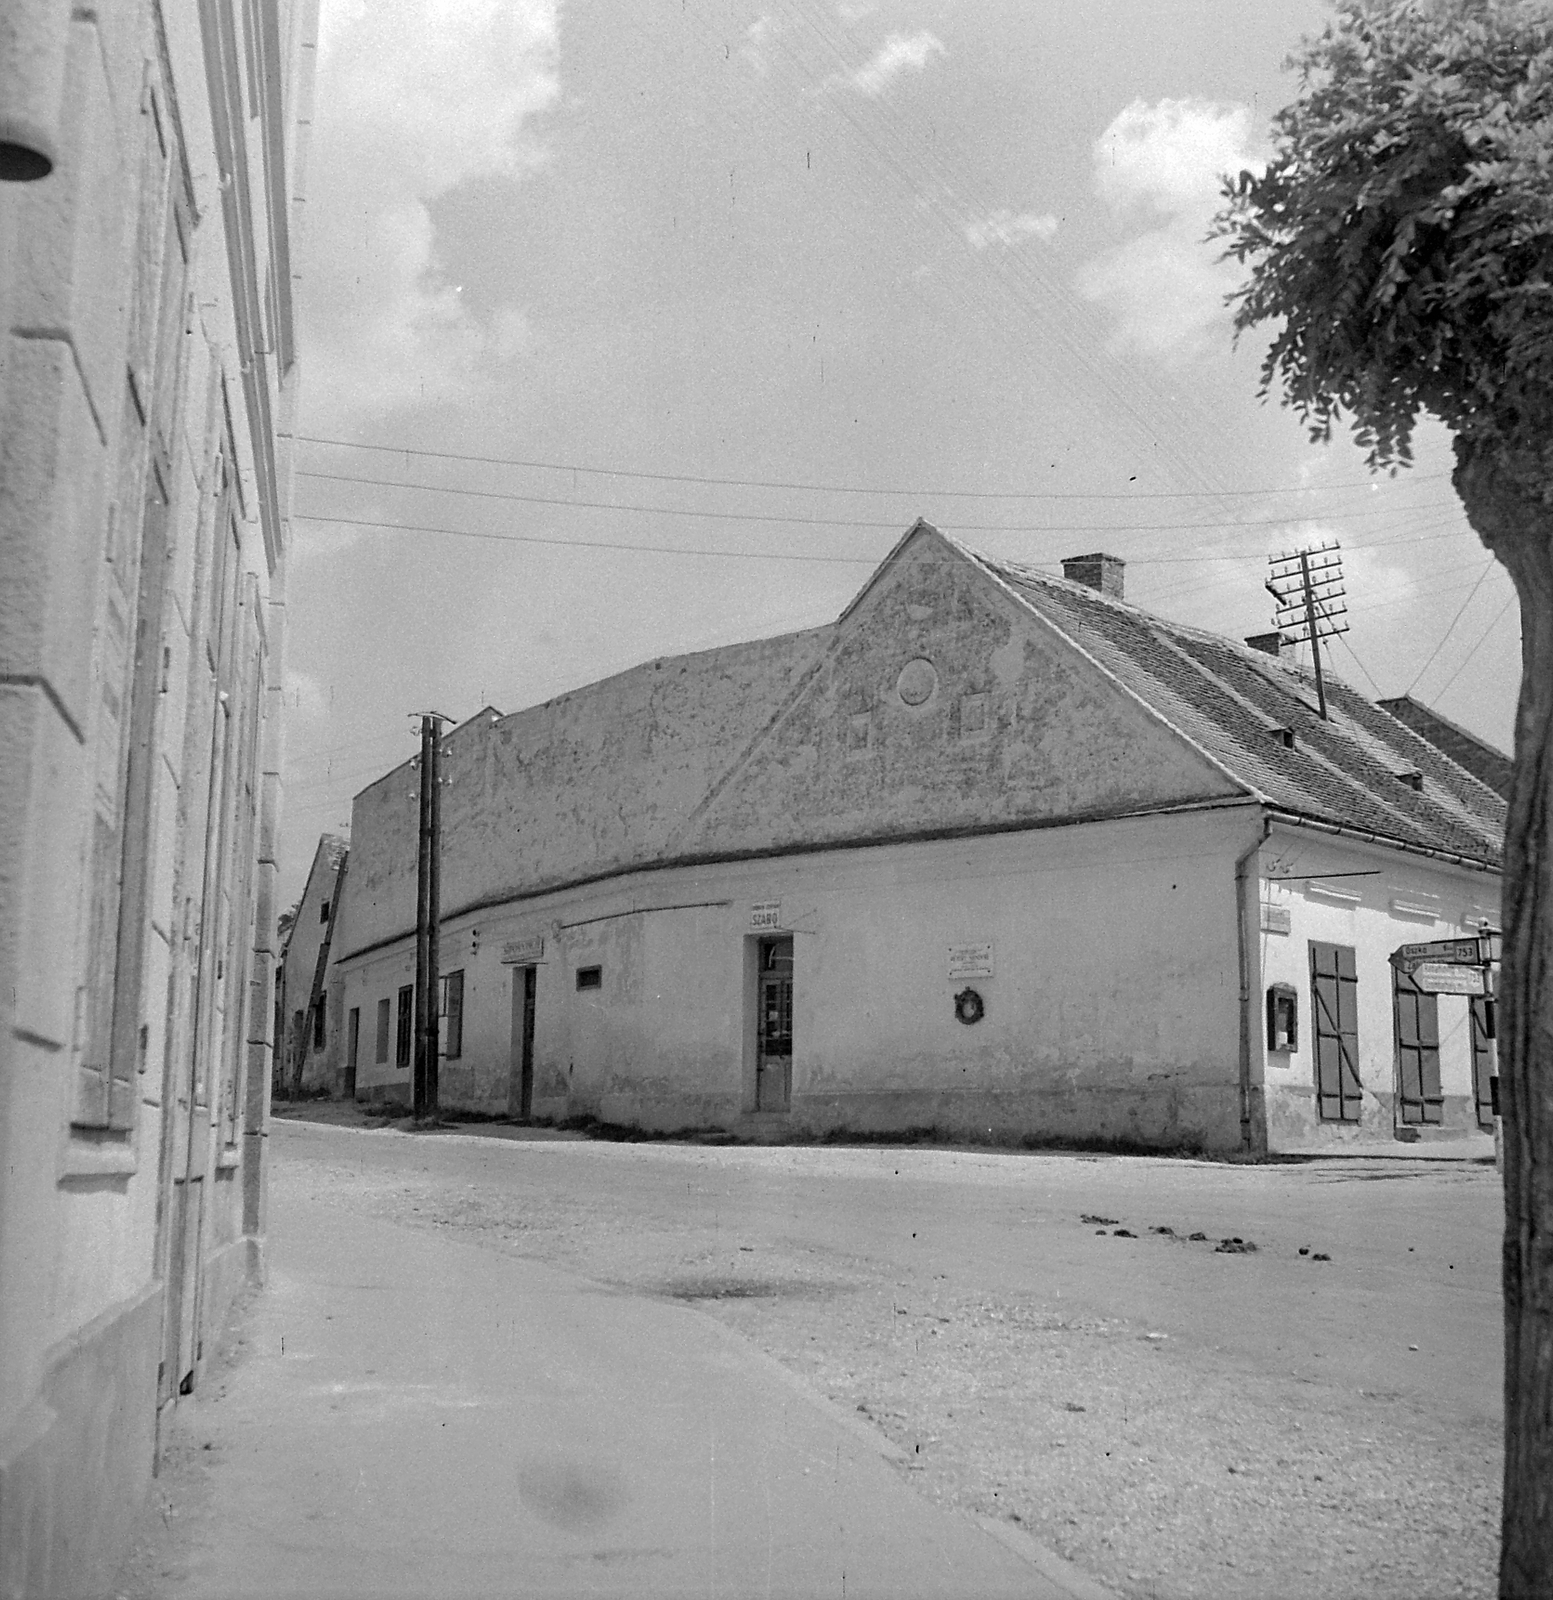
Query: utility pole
(428, 914)
(1308, 586)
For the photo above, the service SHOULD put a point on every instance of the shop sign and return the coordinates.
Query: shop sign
(524, 952)
(765, 914)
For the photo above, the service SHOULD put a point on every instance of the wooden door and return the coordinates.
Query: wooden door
(520, 1085)
(774, 1027)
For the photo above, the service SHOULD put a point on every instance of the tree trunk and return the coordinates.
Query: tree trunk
(1518, 529)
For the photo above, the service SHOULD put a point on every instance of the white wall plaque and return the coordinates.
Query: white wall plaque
(766, 914)
(1275, 919)
(970, 961)
(524, 952)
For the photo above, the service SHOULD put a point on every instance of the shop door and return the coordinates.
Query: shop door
(520, 1083)
(774, 1027)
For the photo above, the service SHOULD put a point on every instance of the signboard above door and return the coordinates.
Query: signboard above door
(765, 914)
(524, 952)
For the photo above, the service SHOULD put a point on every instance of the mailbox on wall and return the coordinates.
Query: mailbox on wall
(1283, 1018)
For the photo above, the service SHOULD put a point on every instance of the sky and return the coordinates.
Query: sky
(639, 329)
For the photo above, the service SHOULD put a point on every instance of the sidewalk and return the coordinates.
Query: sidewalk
(415, 1416)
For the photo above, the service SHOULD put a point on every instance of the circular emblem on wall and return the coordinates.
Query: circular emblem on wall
(917, 682)
(969, 1006)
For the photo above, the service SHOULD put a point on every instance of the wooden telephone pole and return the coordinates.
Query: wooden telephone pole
(1308, 586)
(428, 917)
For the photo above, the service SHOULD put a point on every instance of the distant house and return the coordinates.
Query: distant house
(1480, 758)
(302, 1023)
(995, 853)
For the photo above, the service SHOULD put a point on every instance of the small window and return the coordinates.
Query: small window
(352, 1038)
(318, 1025)
(406, 1017)
(1283, 1031)
(453, 1015)
(383, 1009)
(590, 977)
(323, 912)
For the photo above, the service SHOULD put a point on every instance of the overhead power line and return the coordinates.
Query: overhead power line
(776, 555)
(821, 488)
(826, 522)
(1461, 612)
(1482, 640)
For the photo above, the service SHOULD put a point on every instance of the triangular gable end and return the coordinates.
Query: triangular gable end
(944, 703)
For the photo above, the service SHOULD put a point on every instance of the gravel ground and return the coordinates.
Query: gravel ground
(1165, 1463)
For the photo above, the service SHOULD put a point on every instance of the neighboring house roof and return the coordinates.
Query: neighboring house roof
(1480, 758)
(1356, 768)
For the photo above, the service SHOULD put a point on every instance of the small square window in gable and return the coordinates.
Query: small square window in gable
(858, 732)
(974, 715)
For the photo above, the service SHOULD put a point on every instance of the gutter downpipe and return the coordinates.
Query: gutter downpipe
(1248, 1140)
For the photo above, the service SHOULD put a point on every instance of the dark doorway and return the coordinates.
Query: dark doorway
(1484, 1061)
(520, 1087)
(352, 1045)
(774, 1026)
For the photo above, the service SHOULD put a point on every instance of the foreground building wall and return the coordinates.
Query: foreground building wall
(148, 362)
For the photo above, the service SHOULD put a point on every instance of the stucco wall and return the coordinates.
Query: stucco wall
(124, 428)
(1373, 900)
(937, 703)
(1112, 1011)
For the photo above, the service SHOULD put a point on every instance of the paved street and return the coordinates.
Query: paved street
(1175, 1417)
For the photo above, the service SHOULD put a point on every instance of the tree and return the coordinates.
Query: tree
(1403, 236)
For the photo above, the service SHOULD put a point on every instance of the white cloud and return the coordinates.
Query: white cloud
(415, 97)
(899, 53)
(1158, 168)
(1008, 228)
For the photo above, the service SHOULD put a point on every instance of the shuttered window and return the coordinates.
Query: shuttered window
(406, 1015)
(1418, 1052)
(1334, 1009)
(453, 1015)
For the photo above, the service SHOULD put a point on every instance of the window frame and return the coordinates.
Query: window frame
(452, 1013)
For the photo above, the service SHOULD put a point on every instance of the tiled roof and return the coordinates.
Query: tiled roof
(1232, 701)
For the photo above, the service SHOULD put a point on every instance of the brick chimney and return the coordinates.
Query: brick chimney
(1270, 644)
(1097, 571)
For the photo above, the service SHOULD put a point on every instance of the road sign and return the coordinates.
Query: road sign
(1440, 977)
(1475, 952)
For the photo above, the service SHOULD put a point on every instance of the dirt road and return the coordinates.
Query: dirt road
(1043, 1335)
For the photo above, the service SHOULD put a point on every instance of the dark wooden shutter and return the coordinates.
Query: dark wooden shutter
(1484, 1062)
(406, 1014)
(1418, 1052)
(1334, 987)
(383, 1008)
(453, 1013)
